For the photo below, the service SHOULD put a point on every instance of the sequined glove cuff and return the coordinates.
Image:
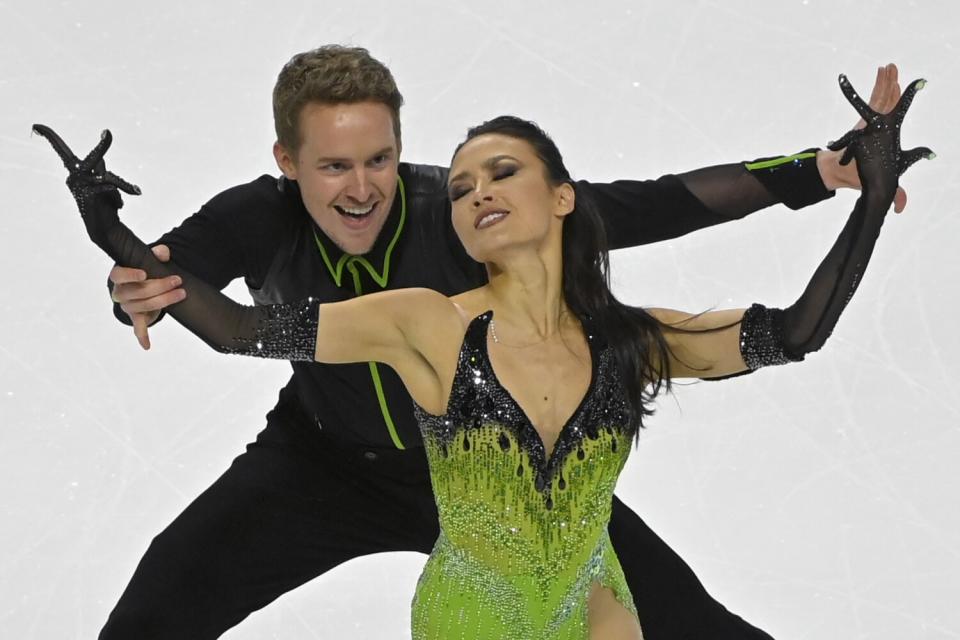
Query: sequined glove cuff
(284, 332)
(761, 338)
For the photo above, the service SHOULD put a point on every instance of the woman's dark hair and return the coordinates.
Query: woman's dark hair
(635, 336)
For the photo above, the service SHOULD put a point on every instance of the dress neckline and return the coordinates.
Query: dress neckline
(574, 417)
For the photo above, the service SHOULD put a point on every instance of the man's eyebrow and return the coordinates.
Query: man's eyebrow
(331, 159)
(489, 163)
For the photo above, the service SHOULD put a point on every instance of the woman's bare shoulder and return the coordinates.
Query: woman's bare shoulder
(471, 303)
(435, 330)
(435, 323)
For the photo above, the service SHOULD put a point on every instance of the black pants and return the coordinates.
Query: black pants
(297, 504)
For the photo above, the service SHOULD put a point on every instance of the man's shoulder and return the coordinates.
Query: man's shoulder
(424, 179)
(266, 190)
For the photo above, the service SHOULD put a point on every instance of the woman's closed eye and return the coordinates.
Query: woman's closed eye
(499, 173)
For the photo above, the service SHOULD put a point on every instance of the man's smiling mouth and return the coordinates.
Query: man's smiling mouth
(355, 212)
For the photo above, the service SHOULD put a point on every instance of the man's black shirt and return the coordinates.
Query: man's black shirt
(262, 232)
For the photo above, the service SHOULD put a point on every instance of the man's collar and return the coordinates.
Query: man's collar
(375, 262)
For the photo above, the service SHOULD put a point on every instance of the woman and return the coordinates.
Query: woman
(523, 478)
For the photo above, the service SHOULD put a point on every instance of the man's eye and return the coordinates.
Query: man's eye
(380, 160)
(334, 166)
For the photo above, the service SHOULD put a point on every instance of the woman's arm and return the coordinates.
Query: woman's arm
(385, 327)
(723, 343)
(703, 345)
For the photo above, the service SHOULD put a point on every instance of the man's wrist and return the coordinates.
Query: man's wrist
(793, 180)
(828, 165)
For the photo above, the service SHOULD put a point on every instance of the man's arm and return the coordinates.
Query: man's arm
(230, 237)
(640, 212)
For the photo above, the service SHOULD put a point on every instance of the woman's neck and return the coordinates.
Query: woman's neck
(526, 293)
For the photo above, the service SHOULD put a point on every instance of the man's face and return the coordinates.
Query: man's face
(347, 170)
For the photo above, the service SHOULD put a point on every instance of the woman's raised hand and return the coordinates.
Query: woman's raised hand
(96, 190)
(876, 147)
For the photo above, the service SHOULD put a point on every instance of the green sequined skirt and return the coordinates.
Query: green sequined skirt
(459, 596)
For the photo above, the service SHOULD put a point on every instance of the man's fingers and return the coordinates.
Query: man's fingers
(147, 294)
(140, 323)
(124, 275)
(154, 304)
(880, 87)
(133, 291)
(161, 252)
(878, 96)
(887, 91)
(899, 200)
(894, 79)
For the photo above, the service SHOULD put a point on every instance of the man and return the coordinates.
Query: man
(339, 471)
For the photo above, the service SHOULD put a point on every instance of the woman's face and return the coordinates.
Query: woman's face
(501, 197)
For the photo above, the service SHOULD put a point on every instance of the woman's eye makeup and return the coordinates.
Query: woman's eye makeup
(499, 172)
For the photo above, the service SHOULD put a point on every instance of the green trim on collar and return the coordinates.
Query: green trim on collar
(776, 162)
(336, 274)
(349, 260)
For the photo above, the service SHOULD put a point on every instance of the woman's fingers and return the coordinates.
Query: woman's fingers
(854, 98)
(88, 176)
(96, 154)
(846, 142)
(908, 158)
(907, 98)
(118, 182)
(70, 160)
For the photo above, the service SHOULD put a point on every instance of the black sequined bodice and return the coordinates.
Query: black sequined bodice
(477, 399)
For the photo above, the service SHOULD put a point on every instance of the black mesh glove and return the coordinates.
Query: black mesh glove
(96, 190)
(880, 162)
(286, 331)
(774, 336)
(779, 336)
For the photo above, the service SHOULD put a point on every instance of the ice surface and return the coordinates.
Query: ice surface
(817, 501)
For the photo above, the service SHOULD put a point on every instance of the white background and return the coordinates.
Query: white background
(818, 500)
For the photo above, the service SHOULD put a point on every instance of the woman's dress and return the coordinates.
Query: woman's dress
(523, 536)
